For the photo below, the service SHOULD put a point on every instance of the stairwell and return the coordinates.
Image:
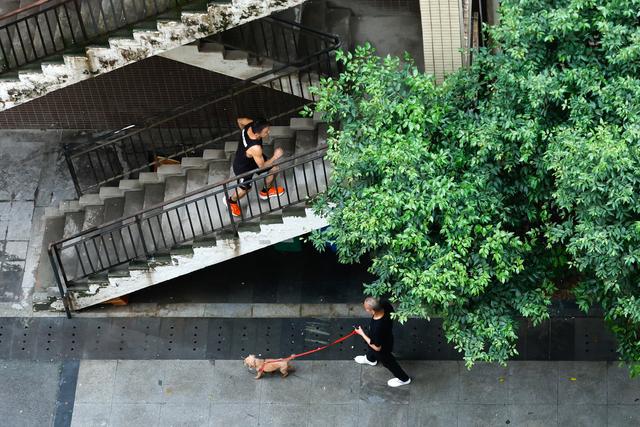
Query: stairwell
(191, 230)
(138, 222)
(44, 51)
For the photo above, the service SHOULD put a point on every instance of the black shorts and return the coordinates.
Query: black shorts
(246, 186)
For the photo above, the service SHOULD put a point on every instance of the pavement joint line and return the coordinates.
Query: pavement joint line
(66, 392)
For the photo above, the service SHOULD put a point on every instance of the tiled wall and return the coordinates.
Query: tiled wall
(441, 32)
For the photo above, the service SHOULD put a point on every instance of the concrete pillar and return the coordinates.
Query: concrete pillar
(442, 35)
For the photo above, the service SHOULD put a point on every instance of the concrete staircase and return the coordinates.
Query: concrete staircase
(239, 64)
(164, 34)
(170, 183)
(215, 57)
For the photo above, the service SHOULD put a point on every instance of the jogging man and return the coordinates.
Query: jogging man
(249, 156)
(380, 341)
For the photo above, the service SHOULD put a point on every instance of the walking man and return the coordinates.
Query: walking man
(380, 341)
(249, 156)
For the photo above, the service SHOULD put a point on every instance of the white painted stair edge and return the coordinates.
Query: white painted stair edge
(143, 44)
(202, 257)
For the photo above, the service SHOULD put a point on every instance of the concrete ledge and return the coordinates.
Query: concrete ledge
(205, 310)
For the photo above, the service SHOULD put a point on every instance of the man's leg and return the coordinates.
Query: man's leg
(371, 355)
(390, 362)
(269, 189)
(238, 194)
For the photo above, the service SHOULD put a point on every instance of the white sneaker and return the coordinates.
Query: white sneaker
(394, 382)
(364, 361)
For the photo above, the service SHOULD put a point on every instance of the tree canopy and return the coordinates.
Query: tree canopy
(478, 197)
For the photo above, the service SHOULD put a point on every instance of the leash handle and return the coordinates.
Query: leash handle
(315, 350)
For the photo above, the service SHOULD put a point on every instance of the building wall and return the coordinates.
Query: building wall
(118, 98)
(442, 36)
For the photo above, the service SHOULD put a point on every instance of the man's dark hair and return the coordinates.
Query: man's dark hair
(259, 124)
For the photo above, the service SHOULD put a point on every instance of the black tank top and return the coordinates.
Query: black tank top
(242, 163)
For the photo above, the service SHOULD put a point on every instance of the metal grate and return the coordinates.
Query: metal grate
(214, 338)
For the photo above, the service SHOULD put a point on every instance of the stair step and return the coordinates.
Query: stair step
(196, 179)
(159, 260)
(93, 216)
(174, 186)
(133, 202)
(321, 138)
(235, 55)
(69, 206)
(230, 146)
(139, 265)
(302, 123)
(277, 132)
(110, 193)
(130, 185)
(193, 163)
(113, 208)
(204, 242)
(73, 223)
(208, 46)
(120, 271)
(249, 227)
(305, 140)
(294, 211)
(99, 278)
(212, 154)
(271, 218)
(150, 178)
(90, 200)
(182, 250)
(170, 170)
(52, 212)
(153, 195)
(219, 171)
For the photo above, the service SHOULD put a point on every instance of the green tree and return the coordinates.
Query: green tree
(474, 198)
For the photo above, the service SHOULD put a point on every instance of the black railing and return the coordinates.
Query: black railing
(207, 121)
(58, 25)
(183, 219)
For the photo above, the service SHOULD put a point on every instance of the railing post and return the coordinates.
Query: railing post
(144, 244)
(61, 287)
(233, 222)
(79, 11)
(72, 170)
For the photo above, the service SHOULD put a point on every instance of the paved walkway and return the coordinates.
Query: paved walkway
(320, 393)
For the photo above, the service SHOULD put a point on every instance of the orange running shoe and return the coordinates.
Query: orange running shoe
(271, 192)
(235, 207)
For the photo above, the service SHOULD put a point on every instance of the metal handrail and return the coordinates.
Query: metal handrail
(332, 43)
(69, 23)
(24, 9)
(99, 157)
(309, 155)
(133, 237)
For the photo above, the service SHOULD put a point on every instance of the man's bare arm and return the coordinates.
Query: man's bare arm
(255, 153)
(243, 121)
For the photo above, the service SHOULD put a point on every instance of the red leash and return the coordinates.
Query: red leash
(295, 356)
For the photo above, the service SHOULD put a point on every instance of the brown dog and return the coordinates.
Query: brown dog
(269, 365)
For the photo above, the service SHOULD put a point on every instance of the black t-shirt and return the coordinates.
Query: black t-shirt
(242, 163)
(381, 330)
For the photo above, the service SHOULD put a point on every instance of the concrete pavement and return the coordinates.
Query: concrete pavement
(320, 393)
